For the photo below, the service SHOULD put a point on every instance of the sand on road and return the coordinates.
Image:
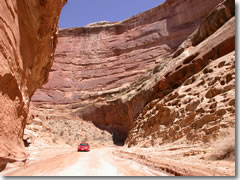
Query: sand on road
(97, 162)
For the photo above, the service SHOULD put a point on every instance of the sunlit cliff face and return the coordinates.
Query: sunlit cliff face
(99, 69)
(28, 41)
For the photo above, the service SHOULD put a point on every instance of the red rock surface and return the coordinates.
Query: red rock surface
(28, 37)
(95, 66)
(195, 99)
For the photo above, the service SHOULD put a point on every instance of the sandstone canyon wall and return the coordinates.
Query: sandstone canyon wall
(28, 38)
(195, 99)
(107, 72)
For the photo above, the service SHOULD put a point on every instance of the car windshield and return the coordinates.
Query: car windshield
(83, 144)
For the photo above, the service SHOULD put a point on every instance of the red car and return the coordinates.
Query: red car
(84, 147)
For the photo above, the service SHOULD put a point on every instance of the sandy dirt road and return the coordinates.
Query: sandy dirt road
(97, 162)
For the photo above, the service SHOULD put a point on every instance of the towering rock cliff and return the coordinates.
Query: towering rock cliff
(28, 38)
(195, 99)
(99, 72)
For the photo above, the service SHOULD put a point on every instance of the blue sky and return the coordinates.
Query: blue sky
(82, 12)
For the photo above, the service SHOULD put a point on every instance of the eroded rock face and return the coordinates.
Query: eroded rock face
(196, 99)
(28, 37)
(99, 70)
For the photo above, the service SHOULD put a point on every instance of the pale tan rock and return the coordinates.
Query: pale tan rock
(202, 100)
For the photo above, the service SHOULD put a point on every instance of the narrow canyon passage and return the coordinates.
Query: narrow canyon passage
(153, 95)
(103, 72)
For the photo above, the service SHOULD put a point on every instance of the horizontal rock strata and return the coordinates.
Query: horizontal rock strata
(99, 72)
(196, 101)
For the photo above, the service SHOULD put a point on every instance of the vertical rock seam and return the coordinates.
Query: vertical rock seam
(28, 38)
